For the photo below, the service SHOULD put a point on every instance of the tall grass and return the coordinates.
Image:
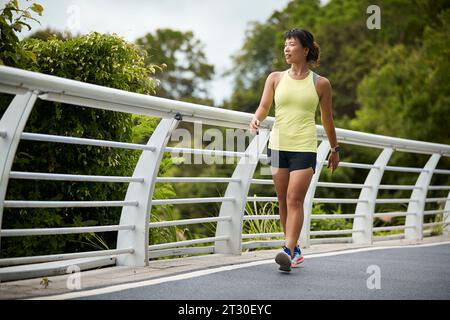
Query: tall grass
(265, 225)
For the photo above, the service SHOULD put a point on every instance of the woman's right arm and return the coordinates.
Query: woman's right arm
(265, 103)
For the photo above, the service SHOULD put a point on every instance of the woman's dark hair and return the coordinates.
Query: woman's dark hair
(307, 40)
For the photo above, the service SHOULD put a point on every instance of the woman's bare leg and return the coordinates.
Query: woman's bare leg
(281, 182)
(299, 181)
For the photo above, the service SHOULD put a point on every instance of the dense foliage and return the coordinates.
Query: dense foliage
(102, 59)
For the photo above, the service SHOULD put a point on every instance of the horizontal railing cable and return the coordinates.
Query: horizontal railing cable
(187, 242)
(405, 169)
(196, 179)
(161, 224)
(70, 177)
(333, 232)
(396, 200)
(262, 235)
(322, 200)
(393, 214)
(191, 200)
(55, 231)
(434, 224)
(63, 256)
(428, 212)
(438, 188)
(84, 141)
(437, 199)
(67, 204)
(207, 152)
(441, 171)
(378, 229)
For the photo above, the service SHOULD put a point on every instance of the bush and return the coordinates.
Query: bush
(329, 224)
(11, 51)
(106, 60)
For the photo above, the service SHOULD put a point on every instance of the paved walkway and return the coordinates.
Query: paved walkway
(334, 271)
(403, 273)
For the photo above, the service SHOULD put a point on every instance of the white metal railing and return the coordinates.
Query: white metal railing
(66, 256)
(53, 231)
(84, 141)
(70, 177)
(67, 204)
(133, 247)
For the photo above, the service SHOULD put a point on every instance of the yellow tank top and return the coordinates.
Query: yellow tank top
(296, 101)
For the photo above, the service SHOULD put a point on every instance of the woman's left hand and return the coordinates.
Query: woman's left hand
(333, 161)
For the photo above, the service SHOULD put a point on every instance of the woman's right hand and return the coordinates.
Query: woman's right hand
(254, 125)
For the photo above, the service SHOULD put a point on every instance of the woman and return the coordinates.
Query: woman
(292, 148)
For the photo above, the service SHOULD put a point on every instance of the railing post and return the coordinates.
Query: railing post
(369, 194)
(11, 125)
(139, 216)
(446, 215)
(322, 152)
(239, 191)
(419, 194)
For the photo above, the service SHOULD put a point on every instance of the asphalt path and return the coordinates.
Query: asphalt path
(410, 272)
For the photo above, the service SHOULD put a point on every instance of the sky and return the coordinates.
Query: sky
(219, 24)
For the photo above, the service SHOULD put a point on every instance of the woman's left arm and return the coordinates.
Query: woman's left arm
(327, 119)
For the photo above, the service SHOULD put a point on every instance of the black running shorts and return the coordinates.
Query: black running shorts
(292, 159)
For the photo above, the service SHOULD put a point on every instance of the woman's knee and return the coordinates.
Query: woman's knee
(294, 200)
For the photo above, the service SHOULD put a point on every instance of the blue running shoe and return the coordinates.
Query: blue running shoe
(283, 258)
(298, 257)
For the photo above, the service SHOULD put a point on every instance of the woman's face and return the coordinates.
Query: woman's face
(294, 52)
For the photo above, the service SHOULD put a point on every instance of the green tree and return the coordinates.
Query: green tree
(187, 71)
(106, 60)
(411, 88)
(349, 50)
(12, 20)
(48, 33)
(408, 96)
